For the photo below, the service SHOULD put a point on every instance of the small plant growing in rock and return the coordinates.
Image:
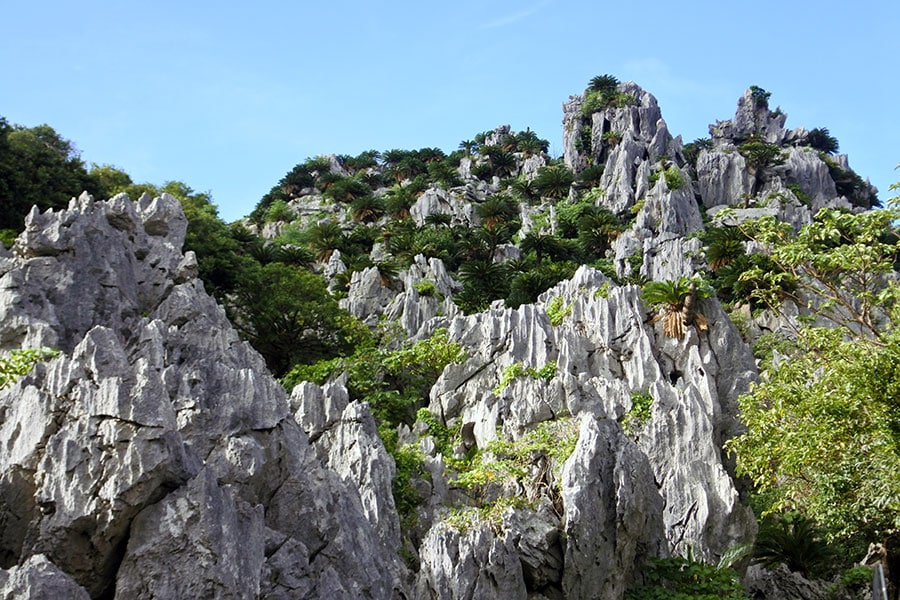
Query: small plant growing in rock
(547, 372)
(760, 96)
(672, 174)
(19, 362)
(612, 137)
(557, 310)
(532, 463)
(639, 413)
(426, 288)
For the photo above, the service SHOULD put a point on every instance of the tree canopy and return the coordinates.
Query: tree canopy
(823, 424)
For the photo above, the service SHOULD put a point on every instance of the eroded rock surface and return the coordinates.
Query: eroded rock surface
(156, 457)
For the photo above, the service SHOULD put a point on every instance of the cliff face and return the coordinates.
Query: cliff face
(156, 457)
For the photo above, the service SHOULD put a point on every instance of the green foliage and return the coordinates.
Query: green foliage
(639, 413)
(799, 193)
(794, 541)
(841, 257)
(394, 382)
(279, 211)
(591, 176)
(426, 288)
(290, 318)
(821, 140)
(850, 185)
(19, 362)
(547, 372)
(857, 578)
(483, 281)
(584, 142)
(824, 433)
(672, 175)
(554, 181)
(557, 310)
(612, 137)
(603, 83)
(759, 96)
(687, 579)
(676, 300)
(605, 96)
(509, 464)
(669, 293)
(525, 287)
(409, 461)
(760, 154)
(38, 167)
(692, 150)
(8, 237)
(767, 344)
(491, 514)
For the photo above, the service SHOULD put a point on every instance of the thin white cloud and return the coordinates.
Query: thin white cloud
(514, 17)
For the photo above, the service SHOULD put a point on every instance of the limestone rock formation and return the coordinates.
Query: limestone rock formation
(156, 457)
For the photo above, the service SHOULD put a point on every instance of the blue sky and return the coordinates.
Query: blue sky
(227, 97)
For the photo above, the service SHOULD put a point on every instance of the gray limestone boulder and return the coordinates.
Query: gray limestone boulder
(722, 177)
(36, 578)
(368, 296)
(475, 563)
(782, 584)
(668, 211)
(606, 351)
(612, 513)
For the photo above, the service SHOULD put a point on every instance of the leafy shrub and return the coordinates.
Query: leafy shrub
(409, 461)
(759, 96)
(692, 150)
(8, 237)
(820, 139)
(426, 288)
(792, 540)
(770, 342)
(547, 372)
(760, 154)
(687, 579)
(612, 137)
(508, 464)
(557, 310)
(672, 174)
(279, 211)
(799, 193)
(19, 362)
(639, 413)
(603, 83)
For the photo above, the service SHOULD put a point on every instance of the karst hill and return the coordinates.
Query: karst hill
(499, 374)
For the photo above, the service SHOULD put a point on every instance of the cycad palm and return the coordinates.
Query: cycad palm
(724, 246)
(554, 182)
(596, 230)
(325, 238)
(676, 300)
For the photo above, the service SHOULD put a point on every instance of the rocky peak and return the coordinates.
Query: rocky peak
(156, 457)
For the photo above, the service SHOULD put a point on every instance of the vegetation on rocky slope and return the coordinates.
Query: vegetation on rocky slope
(823, 424)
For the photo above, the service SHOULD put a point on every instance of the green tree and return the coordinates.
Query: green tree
(38, 167)
(290, 318)
(823, 425)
